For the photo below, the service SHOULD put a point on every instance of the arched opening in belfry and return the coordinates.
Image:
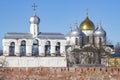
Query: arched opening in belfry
(12, 49)
(23, 48)
(57, 48)
(35, 48)
(47, 48)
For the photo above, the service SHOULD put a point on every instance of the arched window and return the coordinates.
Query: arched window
(76, 41)
(88, 39)
(47, 48)
(82, 41)
(35, 48)
(57, 48)
(12, 49)
(23, 48)
(100, 42)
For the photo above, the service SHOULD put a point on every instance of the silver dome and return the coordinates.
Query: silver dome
(99, 32)
(34, 19)
(75, 33)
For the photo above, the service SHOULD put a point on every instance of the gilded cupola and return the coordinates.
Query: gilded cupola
(87, 24)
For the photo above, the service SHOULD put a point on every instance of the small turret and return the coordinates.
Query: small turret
(34, 23)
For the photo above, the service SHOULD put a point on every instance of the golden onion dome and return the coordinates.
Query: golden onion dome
(87, 24)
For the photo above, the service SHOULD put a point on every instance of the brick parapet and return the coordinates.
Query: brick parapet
(63, 73)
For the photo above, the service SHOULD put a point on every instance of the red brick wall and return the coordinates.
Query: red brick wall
(80, 73)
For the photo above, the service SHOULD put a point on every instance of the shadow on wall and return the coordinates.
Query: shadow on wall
(1, 52)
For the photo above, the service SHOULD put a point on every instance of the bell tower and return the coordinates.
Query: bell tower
(34, 22)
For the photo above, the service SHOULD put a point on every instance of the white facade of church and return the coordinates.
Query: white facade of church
(41, 49)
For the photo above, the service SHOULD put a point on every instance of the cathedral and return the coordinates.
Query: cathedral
(84, 45)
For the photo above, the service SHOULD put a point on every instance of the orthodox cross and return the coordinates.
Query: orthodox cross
(86, 12)
(34, 7)
(97, 24)
(70, 26)
(76, 23)
(100, 23)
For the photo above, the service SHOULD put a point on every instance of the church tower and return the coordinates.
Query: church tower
(87, 27)
(34, 23)
(75, 37)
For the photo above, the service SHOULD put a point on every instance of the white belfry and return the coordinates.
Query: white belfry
(34, 25)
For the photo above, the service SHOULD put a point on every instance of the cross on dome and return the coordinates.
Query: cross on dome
(97, 24)
(86, 12)
(70, 26)
(100, 23)
(34, 7)
(76, 23)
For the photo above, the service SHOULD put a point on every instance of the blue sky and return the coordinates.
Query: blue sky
(56, 15)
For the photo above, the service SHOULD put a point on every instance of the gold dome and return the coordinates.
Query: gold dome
(87, 24)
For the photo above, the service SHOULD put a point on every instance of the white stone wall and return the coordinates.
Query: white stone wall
(90, 34)
(97, 41)
(36, 61)
(73, 40)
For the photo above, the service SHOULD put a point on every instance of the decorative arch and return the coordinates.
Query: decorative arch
(57, 48)
(12, 49)
(35, 48)
(23, 48)
(47, 48)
